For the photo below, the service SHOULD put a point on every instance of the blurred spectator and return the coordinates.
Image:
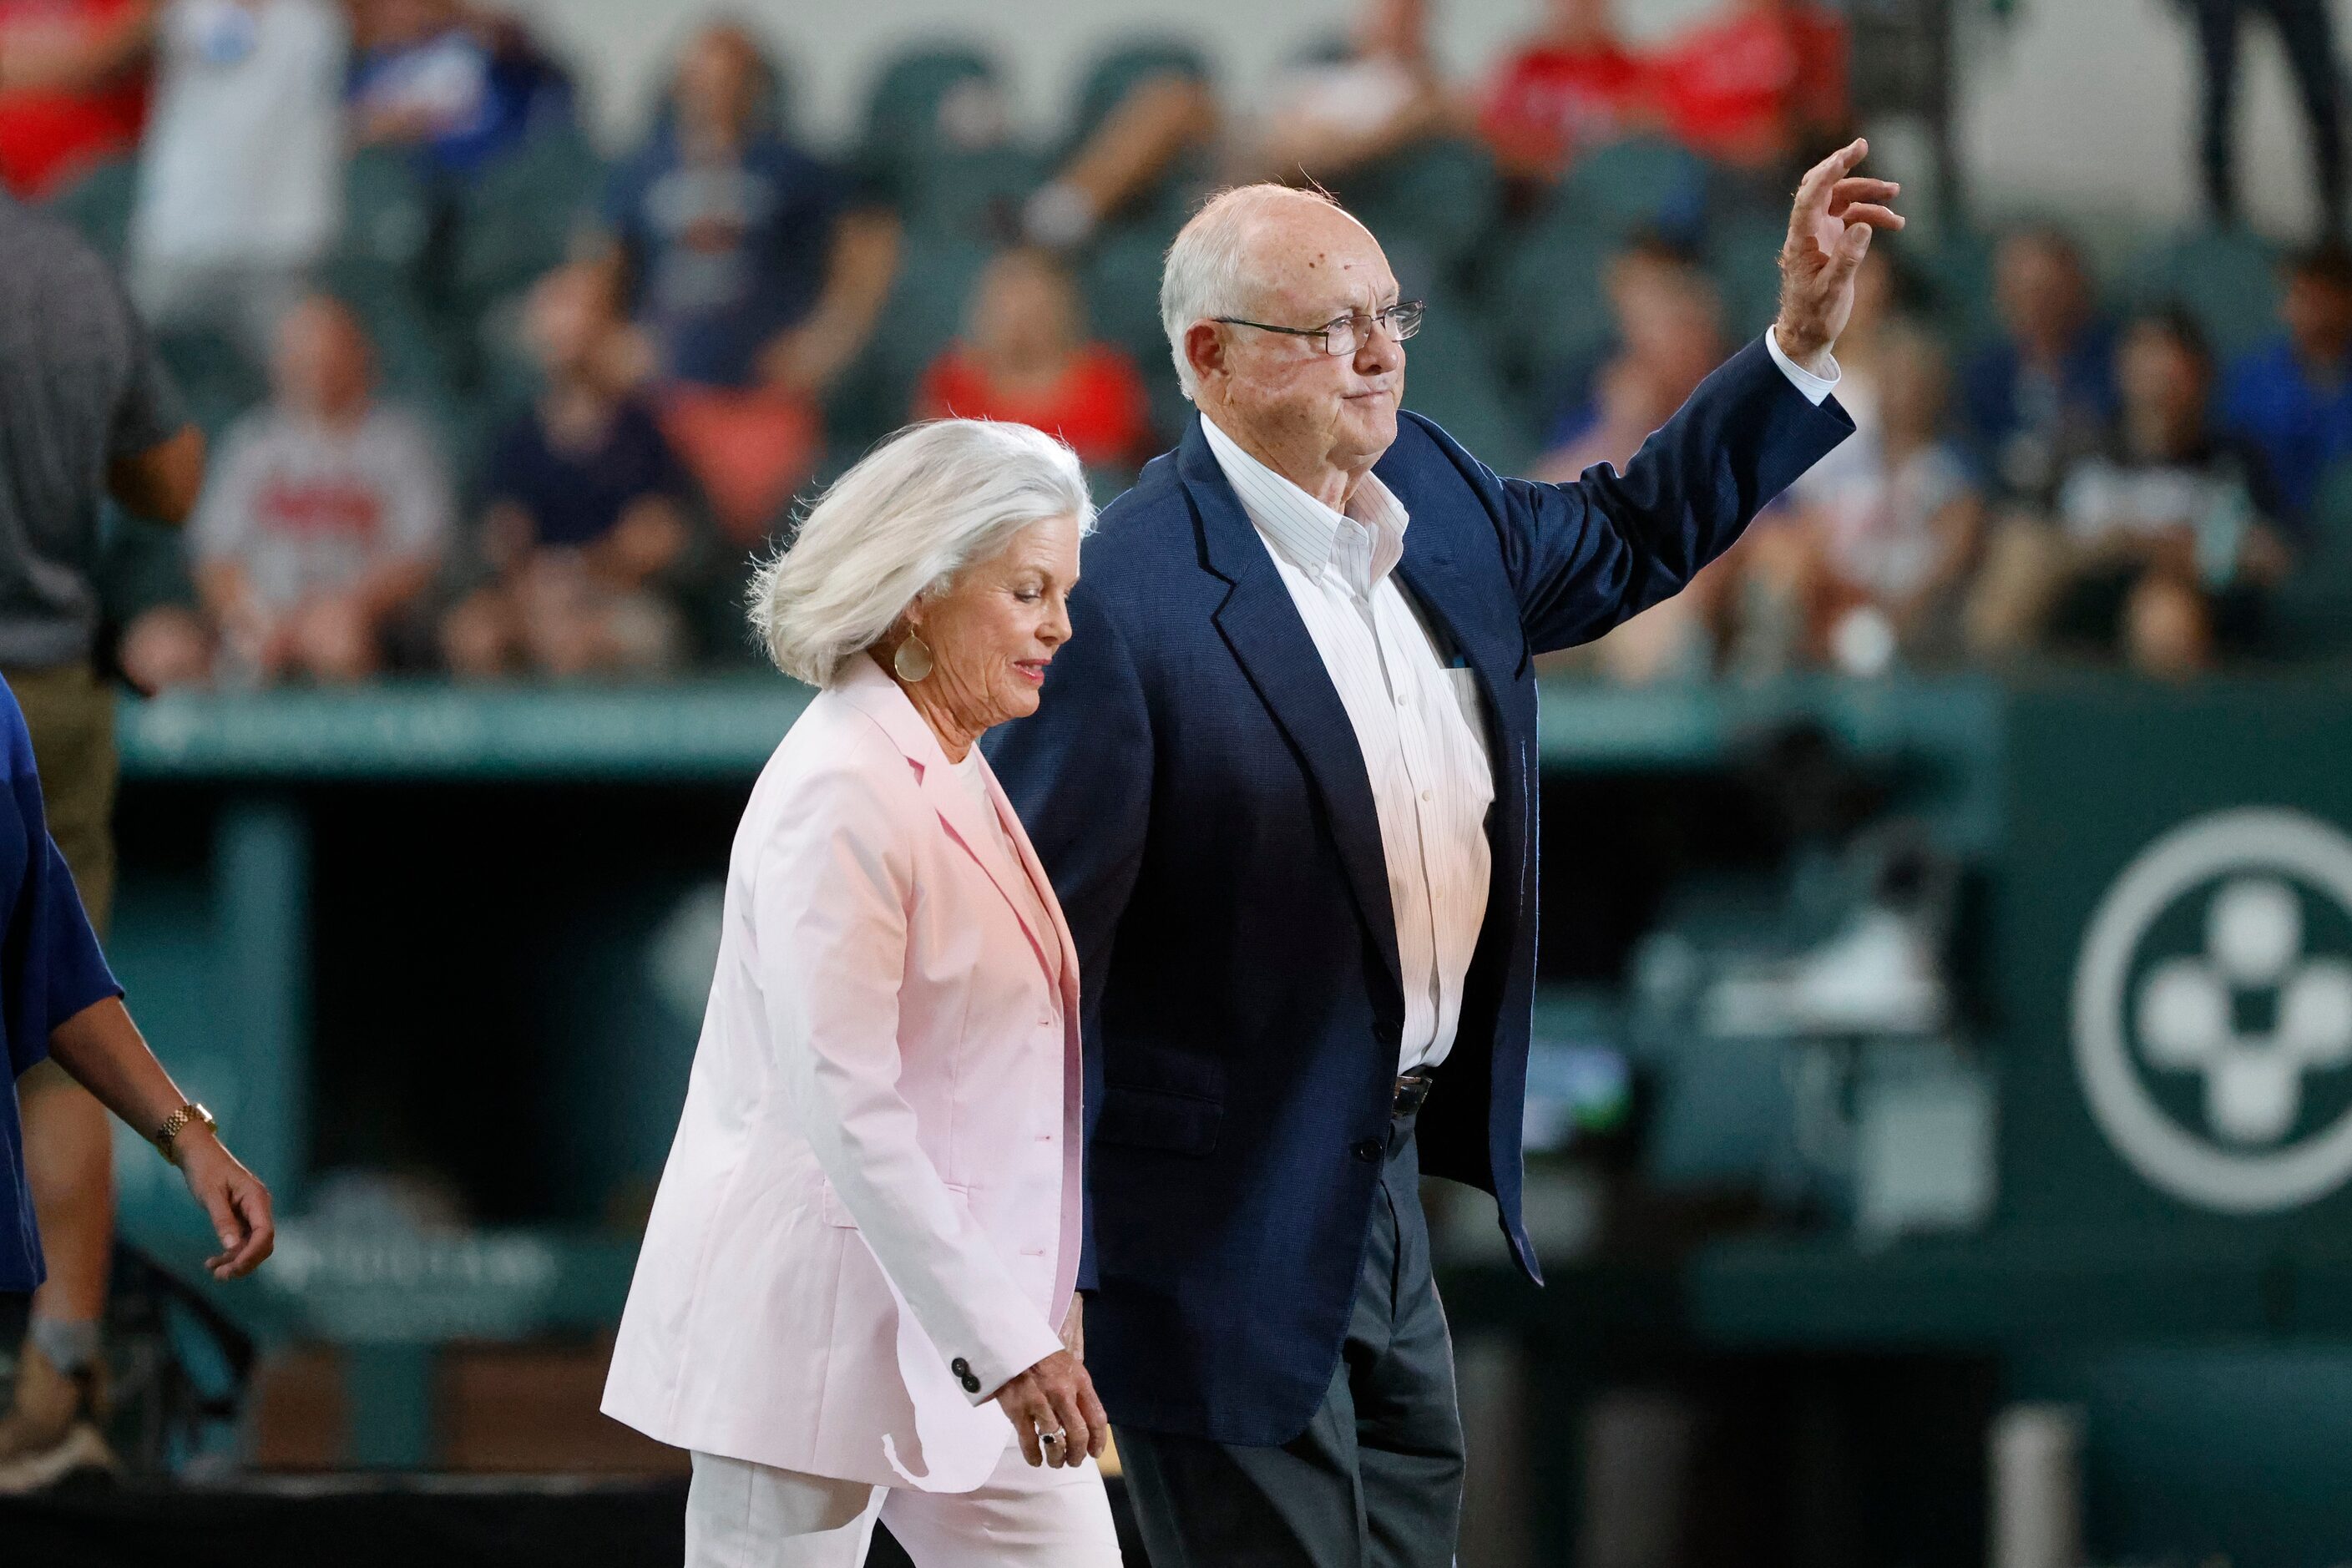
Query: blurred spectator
(460, 86)
(1896, 527)
(2163, 548)
(1759, 86)
(1025, 357)
(323, 523)
(2307, 33)
(1572, 87)
(2293, 398)
(73, 88)
(241, 185)
(587, 510)
(2044, 392)
(1669, 336)
(755, 275)
(1166, 115)
(1382, 93)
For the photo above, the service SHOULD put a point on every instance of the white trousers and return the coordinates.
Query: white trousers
(742, 1515)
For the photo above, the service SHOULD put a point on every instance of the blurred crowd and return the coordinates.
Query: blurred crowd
(490, 402)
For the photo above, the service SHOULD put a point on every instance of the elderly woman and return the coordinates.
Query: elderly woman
(867, 1234)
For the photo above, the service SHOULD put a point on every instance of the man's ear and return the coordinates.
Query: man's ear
(1205, 349)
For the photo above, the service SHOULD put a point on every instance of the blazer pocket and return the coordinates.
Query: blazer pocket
(1158, 1119)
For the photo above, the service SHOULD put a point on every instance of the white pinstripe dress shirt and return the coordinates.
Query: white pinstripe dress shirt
(1422, 731)
(1418, 723)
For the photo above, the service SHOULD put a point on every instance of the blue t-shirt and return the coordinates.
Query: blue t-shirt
(724, 254)
(575, 498)
(2299, 427)
(50, 969)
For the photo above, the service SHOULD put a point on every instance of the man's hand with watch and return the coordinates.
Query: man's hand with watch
(232, 1196)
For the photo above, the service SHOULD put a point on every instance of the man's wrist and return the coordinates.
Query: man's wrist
(1806, 351)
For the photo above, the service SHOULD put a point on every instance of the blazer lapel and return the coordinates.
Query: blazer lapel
(879, 697)
(1260, 623)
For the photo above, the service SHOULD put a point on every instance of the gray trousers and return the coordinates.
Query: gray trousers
(1375, 1481)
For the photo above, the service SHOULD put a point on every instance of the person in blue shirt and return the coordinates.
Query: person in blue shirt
(746, 260)
(2292, 398)
(60, 1002)
(2044, 394)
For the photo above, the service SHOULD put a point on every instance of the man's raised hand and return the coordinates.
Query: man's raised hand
(1828, 234)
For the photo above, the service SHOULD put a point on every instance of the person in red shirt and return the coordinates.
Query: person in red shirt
(1757, 85)
(1024, 357)
(73, 88)
(1572, 87)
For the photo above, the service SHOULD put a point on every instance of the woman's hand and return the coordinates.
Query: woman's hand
(233, 1198)
(1074, 1328)
(1055, 1396)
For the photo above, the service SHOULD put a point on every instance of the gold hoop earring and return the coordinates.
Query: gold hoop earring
(913, 660)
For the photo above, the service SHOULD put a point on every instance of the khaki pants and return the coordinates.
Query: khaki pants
(70, 712)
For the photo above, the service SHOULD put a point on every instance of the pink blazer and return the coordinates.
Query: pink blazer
(869, 1218)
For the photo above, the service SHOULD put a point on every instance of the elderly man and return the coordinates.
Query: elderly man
(1284, 777)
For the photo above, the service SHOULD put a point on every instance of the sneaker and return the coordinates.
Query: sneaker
(51, 1429)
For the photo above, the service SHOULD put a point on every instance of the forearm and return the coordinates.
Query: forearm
(1135, 143)
(392, 588)
(101, 1049)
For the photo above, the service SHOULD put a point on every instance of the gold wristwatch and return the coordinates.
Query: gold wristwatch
(167, 1136)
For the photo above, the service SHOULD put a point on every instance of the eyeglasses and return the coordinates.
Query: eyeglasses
(1346, 334)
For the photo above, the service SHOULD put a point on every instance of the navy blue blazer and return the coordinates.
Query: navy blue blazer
(1197, 793)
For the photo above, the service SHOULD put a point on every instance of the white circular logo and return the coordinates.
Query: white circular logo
(2221, 962)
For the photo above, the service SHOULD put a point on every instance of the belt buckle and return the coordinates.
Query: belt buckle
(1411, 1091)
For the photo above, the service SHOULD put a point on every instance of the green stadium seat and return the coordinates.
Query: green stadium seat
(902, 132)
(1450, 376)
(1546, 307)
(1639, 183)
(2312, 613)
(216, 378)
(2226, 278)
(1743, 255)
(387, 214)
(922, 315)
(99, 204)
(1957, 269)
(973, 192)
(519, 217)
(1440, 199)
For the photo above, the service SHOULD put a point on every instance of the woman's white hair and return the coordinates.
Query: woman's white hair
(1207, 272)
(914, 512)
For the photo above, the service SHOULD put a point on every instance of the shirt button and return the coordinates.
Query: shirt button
(1429, 795)
(1368, 1149)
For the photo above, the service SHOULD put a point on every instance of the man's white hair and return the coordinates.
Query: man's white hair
(929, 501)
(1207, 274)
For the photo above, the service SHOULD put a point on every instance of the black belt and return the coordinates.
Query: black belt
(1412, 1090)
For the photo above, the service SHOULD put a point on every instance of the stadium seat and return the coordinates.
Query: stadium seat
(1440, 197)
(1743, 255)
(902, 131)
(1163, 209)
(1450, 377)
(387, 215)
(216, 378)
(975, 193)
(517, 219)
(2310, 619)
(1546, 308)
(922, 315)
(2226, 278)
(1639, 183)
(99, 204)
